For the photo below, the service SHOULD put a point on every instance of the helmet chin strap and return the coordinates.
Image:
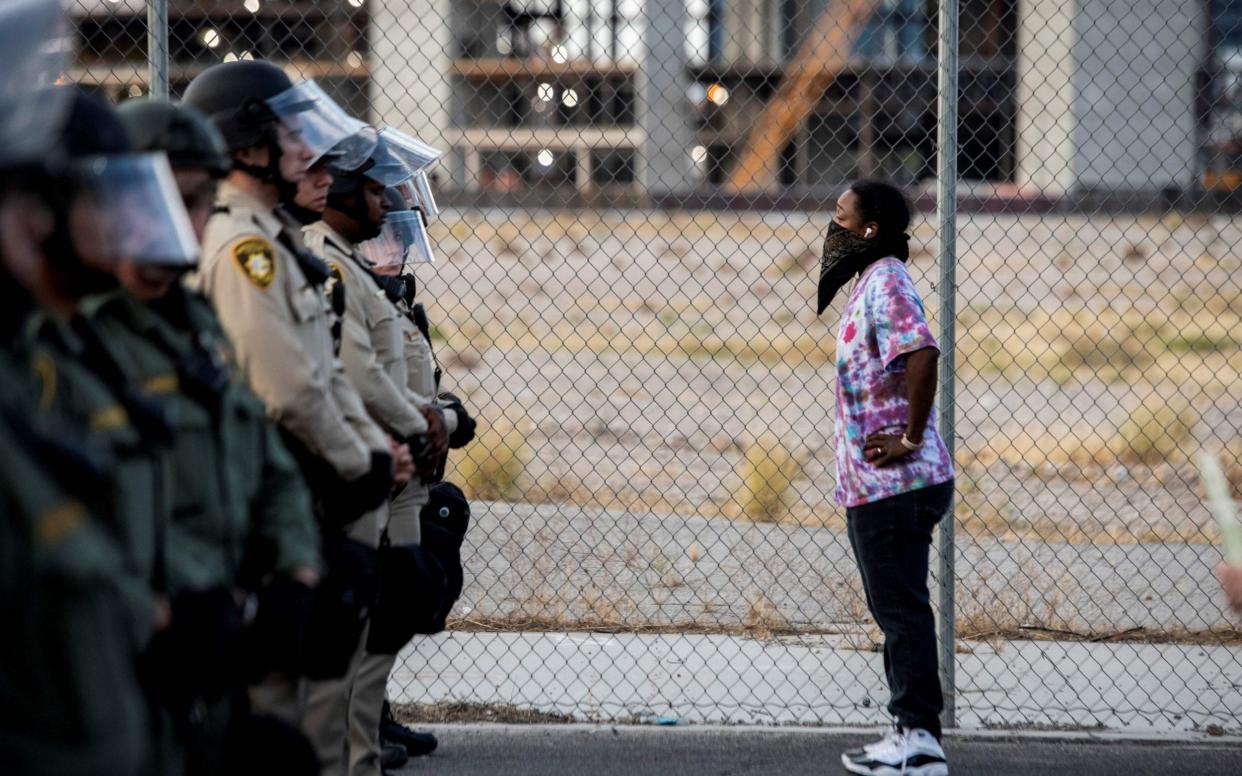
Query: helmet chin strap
(303, 215)
(270, 172)
(354, 205)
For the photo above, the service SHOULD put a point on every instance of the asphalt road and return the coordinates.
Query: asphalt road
(603, 751)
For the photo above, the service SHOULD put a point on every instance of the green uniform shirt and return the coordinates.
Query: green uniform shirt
(64, 385)
(69, 697)
(234, 485)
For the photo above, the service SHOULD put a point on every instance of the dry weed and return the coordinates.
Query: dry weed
(1158, 430)
(493, 467)
(763, 618)
(768, 473)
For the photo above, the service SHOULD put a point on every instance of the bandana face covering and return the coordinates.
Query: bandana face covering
(846, 255)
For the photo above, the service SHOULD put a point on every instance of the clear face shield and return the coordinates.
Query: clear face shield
(389, 168)
(324, 126)
(403, 240)
(417, 194)
(418, 157)
(34, 51)
(129, 208)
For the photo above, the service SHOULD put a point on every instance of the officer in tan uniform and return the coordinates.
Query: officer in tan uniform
(373, 354)
(403, 242)
(271, 297)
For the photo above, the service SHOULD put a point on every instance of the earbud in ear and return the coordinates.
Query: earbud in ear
(867, 233)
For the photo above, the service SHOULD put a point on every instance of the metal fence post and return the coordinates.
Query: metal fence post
(157, 48)
(946, 216)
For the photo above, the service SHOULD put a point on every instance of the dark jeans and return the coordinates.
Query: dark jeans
(892, 540)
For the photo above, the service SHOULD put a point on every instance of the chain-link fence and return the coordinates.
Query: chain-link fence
(636, 193)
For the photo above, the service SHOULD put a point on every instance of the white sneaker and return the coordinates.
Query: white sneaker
(902, 752)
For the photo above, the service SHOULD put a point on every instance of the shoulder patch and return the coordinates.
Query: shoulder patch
(257, 260)
(57, 523)
(45, 372)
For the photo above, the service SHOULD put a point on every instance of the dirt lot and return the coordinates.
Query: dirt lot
(631, 361)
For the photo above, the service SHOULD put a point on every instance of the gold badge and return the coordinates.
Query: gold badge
(255, 258)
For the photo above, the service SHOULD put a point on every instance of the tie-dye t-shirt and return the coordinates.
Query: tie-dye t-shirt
(883, 322)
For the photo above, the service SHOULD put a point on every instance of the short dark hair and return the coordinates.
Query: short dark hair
(884, 204)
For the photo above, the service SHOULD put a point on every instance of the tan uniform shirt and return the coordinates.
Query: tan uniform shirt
(420, 368)
(279, 325)
(371, 341)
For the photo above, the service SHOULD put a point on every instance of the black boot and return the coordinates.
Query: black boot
(392, 756)
(416, 743)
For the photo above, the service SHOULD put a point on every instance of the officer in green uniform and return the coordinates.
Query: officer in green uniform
(241, 514)
(70, 701)
(68, 371)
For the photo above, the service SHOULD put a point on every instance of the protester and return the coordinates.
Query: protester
(894, 475)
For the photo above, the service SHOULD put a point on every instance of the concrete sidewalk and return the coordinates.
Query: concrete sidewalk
(604, 751)
(1139, 689)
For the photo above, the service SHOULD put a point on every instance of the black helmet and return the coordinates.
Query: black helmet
(383, 166)
(181, 131)
(234, 96)
(92, 127)
(346, 182)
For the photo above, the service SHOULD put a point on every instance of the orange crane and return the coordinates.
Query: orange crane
(823, 54)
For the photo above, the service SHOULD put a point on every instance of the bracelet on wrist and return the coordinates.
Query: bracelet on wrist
(911, 446)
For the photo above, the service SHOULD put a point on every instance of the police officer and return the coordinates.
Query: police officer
(270, 296)
(68, 621)
(402, 242)
(372, 352)
(105, 203)
(242, 520)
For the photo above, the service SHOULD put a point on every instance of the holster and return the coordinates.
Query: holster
(413, 585)
(342, 603)
(198, 658)
(444, 546)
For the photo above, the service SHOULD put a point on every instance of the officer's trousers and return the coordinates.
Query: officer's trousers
(325, 703)
(366, 701)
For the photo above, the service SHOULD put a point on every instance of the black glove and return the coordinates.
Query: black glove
(466, 425)
(352, 499)
(420, 450)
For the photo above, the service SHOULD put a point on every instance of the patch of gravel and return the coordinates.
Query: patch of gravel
(572, 565)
